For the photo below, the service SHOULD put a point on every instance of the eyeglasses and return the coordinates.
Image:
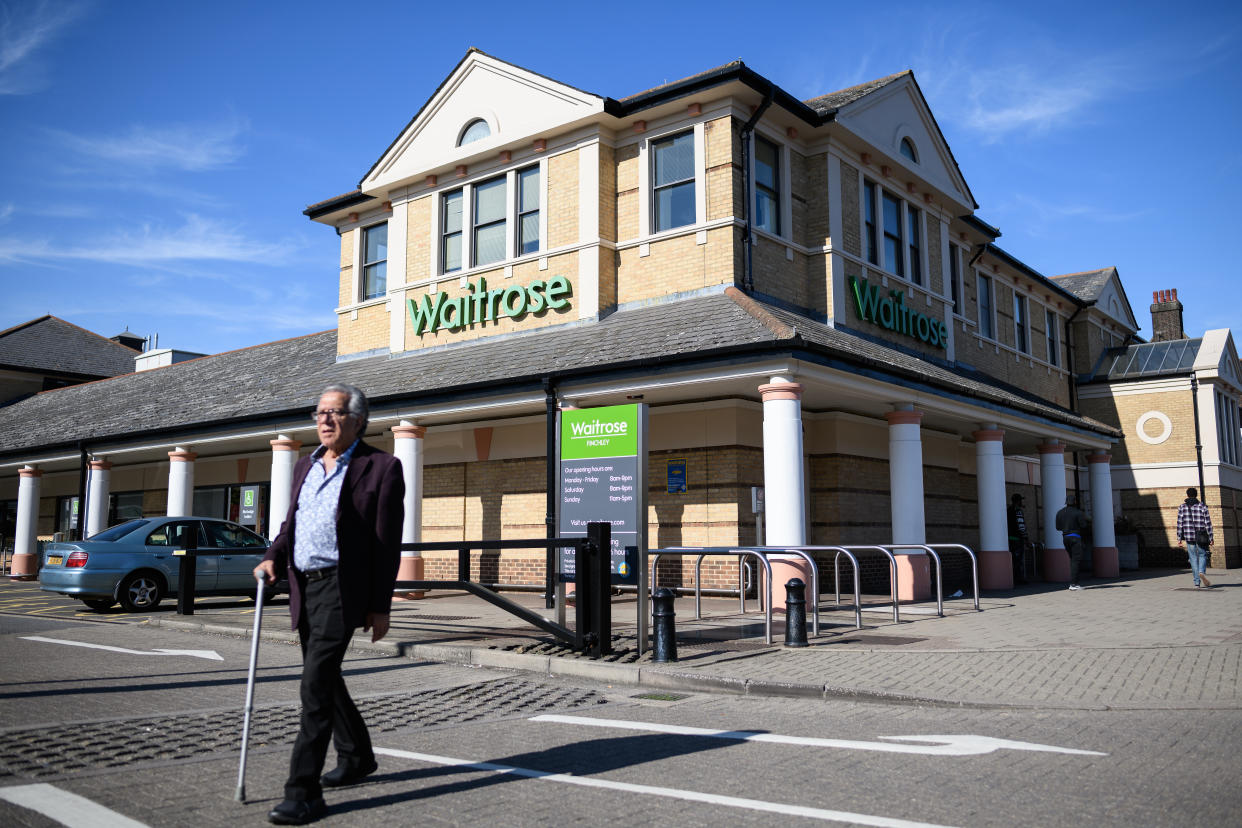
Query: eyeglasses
(329, 414)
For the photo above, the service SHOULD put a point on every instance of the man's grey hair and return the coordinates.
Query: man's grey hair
(355, 401)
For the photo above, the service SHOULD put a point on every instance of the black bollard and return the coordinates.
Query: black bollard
(663, 628)
(795, 613)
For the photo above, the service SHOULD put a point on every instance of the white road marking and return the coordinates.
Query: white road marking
(66, 808)
(210, 655)
(671, 793)
(959, 745)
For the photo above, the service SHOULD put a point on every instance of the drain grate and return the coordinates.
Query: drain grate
(55, 751)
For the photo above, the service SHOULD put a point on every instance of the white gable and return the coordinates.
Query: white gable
(884, 117)
(1218, 355)
(1112, 302)
(516, 104)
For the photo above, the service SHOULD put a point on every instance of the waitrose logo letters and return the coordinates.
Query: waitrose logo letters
(482, 305)
(893, 314)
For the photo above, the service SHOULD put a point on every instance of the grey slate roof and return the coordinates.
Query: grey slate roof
(280, 379)
(828, 104)
(1086, 285)
(51, 345)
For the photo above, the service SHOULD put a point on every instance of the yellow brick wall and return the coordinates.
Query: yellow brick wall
(1124, 411)
(607, 192)
(419, 241)
(851, 225)
(346, 294)
(562, 199)
(369, 330)
(677, 264)
(626, 214)
(722, 165)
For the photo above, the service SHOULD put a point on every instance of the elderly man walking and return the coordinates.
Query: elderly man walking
(1194, 531)
(340, 546)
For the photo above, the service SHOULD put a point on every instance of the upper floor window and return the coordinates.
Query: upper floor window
(1021, 327)
(869, 223)
(955, 278)
(489, 221)
(916, 254)
(767, 186)
(908, 150)
(1054, 337)
(894, 254)
(450, 242)
(672, 181)
(986, 327)
(1227, 428)
(528, 210)
(476, 130)
(375, 261)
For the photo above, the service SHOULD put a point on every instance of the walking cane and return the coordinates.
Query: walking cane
(254, 660)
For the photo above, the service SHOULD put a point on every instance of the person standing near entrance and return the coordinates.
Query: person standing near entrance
(1018, 540)
(1072, 523)
(340, 546)
(1194, 531)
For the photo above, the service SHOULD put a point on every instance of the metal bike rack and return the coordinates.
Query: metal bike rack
(702, 551)
(836, 570)
(974, 564)
(892, 566)
(936, 558)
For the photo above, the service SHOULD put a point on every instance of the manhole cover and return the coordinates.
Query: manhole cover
(661, 696)
(890, 640)
(54, 751)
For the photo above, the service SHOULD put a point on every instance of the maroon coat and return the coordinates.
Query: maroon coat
(368, 534)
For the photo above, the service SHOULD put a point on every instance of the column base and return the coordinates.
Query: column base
(24, 566)
(1105, 562)
(411, 569)
(995, 570)
(913, 577)
(783, 569)
(1056, 566)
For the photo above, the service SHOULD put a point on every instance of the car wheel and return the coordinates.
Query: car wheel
(140, 591)
(269, 593)
(98, 604)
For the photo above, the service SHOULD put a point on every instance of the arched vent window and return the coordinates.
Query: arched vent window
(908, 150)
(476, 130)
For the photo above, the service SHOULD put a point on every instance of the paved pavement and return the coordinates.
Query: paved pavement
(1145, 640)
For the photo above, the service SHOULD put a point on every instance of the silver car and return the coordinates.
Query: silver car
(133, 562)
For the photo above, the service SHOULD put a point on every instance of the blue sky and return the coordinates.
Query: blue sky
(155, 157)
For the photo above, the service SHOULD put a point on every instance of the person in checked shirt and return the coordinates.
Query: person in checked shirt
(1194, 531)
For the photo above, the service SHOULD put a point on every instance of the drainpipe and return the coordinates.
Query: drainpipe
(549, 390)
(1073, 389)
(1194, 393)
(747, 173)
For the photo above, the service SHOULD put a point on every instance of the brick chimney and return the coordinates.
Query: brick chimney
(1166, 316)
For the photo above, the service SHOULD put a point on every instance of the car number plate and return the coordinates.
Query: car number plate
(54, 560)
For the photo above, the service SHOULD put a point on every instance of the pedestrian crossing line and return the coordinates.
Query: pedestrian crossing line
(951, 745)
(67, 808)
(781, 808)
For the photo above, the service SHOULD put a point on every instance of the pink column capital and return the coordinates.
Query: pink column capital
(1100, 457)
(285, 444)
(182, 456)
(781, 391)
(409, 432)
(1052, 447)
(904, 417)
(100, 465)
(989, 435)
(29, 471)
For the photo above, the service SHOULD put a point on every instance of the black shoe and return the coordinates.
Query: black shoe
(297, 811)
(346, 775)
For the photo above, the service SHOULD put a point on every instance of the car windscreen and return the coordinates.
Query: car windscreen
(119, 531)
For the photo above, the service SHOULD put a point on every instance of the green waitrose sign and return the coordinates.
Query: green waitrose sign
(610, 431)
(893, 314)
(481, 305)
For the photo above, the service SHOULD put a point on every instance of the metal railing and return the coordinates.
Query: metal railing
(974, 565)
(702, 551)
(892, 568)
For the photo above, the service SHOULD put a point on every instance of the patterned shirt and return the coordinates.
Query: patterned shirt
(1192, 517)
(314, 533)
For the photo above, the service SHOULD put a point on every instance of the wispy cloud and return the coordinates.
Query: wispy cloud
(198, 239)
(6, 210)
(189, 147)
(24, 30)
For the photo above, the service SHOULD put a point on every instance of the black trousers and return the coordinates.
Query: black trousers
(327, 710)
(1073, 545)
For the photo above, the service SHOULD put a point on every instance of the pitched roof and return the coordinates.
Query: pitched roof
(280, 379)
(827, 105)
(1086, 285)
(51, 345)
(1149, 359)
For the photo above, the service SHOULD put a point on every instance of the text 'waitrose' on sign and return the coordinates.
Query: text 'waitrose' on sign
(611, 431)
(482, 305)
(892, 313)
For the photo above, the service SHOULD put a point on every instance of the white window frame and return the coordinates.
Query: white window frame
(364, 264)
(907, 265)
(782, 197)
(1021, 323)
(987, 325)
(1052, 336)
(646, 203)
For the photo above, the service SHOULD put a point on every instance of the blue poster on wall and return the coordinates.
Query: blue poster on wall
(676, 476)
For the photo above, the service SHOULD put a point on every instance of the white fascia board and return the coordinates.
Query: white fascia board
(1124, 389)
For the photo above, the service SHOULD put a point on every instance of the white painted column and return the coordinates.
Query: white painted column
(25, 564)
(1104, 559)
(180, 482)
(905, 482)
(98, 485)
(408, 448)
(784, 491)
(284, 458)
(1052, 477)
(995, 562)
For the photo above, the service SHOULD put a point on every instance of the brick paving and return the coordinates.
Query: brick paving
(1145, 640)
